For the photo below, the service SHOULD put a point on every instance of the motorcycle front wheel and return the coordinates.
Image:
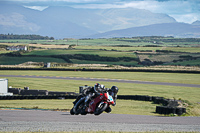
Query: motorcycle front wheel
(72, 111)
(100, 108)
(79, 106)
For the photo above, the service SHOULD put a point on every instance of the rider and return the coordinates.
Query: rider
(113, 92)
(91, 92)
(94, 92)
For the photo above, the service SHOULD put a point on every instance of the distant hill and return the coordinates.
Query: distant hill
(163, 29)
(67, 22)
(196, 23)
(17, 19)
(121, 18)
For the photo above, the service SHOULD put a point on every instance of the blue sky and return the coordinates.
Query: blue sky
(186, 11)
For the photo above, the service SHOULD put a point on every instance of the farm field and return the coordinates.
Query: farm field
(128, 52)
(17, 60)
(188, 94)
(135, 41)
(77, 51)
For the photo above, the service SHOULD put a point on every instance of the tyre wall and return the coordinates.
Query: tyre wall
(164, 109)
(22, 97)
(170, 110)
(169, 106)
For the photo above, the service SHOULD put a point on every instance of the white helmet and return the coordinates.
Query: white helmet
(99, 88)
(102, 87)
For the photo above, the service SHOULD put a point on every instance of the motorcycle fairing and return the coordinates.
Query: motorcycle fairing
(105, 97)
(92, 104)
(110, 99)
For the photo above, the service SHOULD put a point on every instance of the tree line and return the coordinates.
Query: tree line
(28, 37)
(158, 39)
(68, 57)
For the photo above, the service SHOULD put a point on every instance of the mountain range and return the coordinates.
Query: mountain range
(67, 22)
(164, 29)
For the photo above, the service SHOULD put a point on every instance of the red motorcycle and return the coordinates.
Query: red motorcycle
(96, 106)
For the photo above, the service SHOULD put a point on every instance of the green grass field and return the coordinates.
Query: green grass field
(184, 49)
(139, 41)
(143, 76)
(74, 51)
(133, 63)
(131, 48)
(185, 63)
(188, 94)
(122, 106)
(143, 48)
(19, 60)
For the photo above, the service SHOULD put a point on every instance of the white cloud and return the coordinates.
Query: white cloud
(40, 8)
(153, 5)
(182, 10)
(186, 18)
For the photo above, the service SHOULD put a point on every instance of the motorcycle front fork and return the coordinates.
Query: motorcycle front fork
(87, 99)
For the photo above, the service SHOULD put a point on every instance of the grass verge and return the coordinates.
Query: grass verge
(142, 76)
(122, 107)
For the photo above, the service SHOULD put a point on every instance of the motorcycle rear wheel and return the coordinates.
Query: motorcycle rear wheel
(100, 108)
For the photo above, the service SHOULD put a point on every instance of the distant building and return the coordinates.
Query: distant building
(4, 87)
(47, 65)
(17, 48)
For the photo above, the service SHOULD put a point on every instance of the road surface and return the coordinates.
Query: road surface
(37, 120)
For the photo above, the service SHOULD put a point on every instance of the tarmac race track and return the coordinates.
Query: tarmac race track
(38, 120)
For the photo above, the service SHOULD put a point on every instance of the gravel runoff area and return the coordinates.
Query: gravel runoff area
(37, 120)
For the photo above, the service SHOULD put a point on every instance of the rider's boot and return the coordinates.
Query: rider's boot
(108, 110)
(87, 103)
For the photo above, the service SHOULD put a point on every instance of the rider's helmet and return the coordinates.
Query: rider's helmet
(99, 88)
(114, 89)
(102, 87)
